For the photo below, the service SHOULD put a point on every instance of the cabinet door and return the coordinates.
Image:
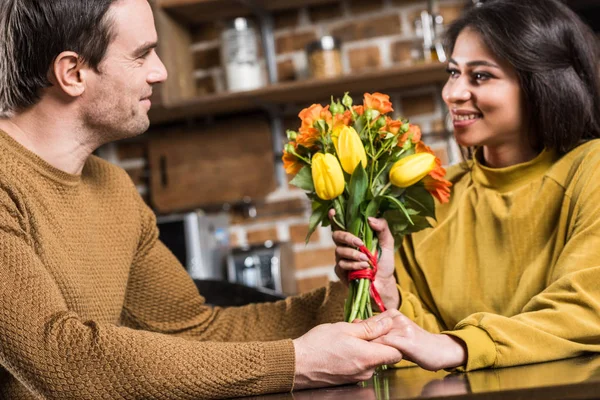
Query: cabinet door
(220, 163)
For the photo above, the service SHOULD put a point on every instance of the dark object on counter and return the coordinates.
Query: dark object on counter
(227, 294)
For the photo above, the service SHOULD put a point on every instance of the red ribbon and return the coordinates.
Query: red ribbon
(369, 273)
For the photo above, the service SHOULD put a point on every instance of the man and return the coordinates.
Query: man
(93, 305)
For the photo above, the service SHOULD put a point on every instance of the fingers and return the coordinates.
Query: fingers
(375, 326)
(370, 329)
(342, 238)
(351, 256)
(380, 225)
(382, 354)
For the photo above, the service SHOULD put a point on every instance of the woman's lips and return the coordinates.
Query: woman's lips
(462, 120)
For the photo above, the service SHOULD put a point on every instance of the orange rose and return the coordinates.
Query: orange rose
(326, 115)
(342, 119)
(437, 185)
(310, 115)
(434, 181)
(291, 163)
(413, 133)
(378, 101)
(360, 110)
(391, 125)
(308, 137)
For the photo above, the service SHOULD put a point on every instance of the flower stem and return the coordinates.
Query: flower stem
(357, 300)
(386, 187)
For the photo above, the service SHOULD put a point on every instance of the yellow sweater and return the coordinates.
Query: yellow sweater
(94, 306)
(513, 265)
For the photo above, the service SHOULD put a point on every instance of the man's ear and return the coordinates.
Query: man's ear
(70, 73)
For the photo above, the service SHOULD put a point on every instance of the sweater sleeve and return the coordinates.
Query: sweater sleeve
(56, 354)
(161, 297)
(415, 302)
(564, 319)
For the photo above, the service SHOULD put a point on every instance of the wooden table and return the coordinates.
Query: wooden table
(576, 378)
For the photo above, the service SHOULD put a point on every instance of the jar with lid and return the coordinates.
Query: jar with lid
(239, 52)
(324, 57)
(428, 45)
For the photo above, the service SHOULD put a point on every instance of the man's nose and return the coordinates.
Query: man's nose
(158, 72)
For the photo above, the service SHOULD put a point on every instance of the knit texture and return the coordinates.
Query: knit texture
(94, 306)
(513, 265)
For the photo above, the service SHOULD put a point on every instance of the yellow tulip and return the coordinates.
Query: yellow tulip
(327, 175)
(349, 148)
(410, 170)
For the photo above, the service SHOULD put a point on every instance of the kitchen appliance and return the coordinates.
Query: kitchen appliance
(199, 241)
(266, 267)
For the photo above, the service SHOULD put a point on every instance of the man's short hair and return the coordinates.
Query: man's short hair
(33, 33)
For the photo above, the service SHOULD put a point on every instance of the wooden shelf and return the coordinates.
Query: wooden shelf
(300, 92)
(197, 11)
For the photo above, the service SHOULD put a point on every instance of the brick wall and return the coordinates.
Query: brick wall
(376, 34)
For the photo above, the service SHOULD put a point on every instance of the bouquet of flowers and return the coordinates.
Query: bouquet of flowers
(363, 163)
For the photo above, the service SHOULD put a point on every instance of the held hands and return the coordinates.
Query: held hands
(348, 258)
(340, 353)
(428, 350)
(335, 354)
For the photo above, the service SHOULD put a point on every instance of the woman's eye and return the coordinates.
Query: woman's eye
(481, 76)
(452, 72)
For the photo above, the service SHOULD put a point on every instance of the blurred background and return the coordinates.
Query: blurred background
(239, 73)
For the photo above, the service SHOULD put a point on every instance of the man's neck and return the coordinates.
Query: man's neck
(59, 142)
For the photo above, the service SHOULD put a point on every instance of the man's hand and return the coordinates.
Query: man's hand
(430, 351)
(347, 258)
(335, 354)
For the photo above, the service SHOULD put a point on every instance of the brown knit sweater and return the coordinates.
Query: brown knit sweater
(94, 306)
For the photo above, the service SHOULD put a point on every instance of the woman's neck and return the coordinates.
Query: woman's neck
(507, 155)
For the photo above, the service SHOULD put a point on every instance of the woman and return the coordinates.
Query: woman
(510, 274)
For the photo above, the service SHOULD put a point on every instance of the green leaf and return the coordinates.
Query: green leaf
(419, 223)
(303, 179)
(419, 199)
(338, 206)
(401, 207)
(318, 215)
(399, 225)
(396, 221)
(373, 207)
(357, 189)
(359, 124)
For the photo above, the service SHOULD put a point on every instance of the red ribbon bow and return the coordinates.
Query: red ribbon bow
(369, 273)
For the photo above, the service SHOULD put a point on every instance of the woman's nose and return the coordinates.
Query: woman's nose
(456, 91)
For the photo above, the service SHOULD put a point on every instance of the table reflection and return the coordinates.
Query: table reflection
(572, 378)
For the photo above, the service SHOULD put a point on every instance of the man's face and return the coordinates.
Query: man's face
(116, 100)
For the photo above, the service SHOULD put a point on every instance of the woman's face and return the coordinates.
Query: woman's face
(484, 96)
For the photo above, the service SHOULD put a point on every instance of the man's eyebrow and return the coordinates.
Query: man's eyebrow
(476, 63)
(143, 49)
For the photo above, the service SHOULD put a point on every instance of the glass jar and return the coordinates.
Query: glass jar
(239, 51)
(325, 57)
(428, 46)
